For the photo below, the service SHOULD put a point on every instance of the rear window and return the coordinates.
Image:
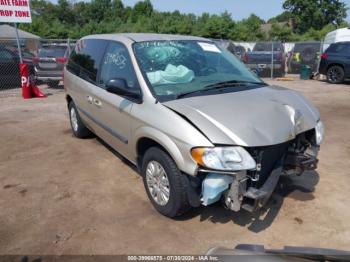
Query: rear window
(52, 52)
(268, 47)
(339, 48)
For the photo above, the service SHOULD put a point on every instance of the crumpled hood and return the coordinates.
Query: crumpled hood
(258, 117)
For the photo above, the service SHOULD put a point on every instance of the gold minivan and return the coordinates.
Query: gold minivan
(198, 124)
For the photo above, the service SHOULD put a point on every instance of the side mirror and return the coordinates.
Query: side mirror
(119, 87)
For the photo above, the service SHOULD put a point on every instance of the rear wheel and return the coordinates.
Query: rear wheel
(162, 181)
(335, 75)
(78, 127)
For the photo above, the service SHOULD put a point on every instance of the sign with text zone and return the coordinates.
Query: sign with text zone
(15, 11)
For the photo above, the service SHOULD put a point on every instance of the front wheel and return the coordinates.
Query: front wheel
(335, 75)
(162, 181)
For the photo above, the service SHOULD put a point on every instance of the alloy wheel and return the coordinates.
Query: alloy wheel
(157, 183)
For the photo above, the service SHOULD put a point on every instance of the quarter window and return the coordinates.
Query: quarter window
(338, 48)
(86, 58)
(117, 64)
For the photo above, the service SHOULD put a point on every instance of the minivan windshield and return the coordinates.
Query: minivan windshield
(177, 68)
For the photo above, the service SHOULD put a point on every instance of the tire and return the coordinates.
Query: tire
(53, 84)
(177, 203)
(335, 74)
(78, 128)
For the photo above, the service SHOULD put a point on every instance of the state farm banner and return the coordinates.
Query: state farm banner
(15, 11)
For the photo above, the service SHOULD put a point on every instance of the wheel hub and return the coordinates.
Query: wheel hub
(157, 183)
(74, 119)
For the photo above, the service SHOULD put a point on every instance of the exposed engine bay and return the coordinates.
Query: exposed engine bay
(250, 190)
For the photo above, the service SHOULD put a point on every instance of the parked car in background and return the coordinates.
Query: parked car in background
(237, 50)
(339, 35)
(335, 62)
(49, 64)
(260, 59)
(240, 51)
(305, 53)
(197, 123)
(9, 66)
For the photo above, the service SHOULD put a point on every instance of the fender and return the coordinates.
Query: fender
(169, 145)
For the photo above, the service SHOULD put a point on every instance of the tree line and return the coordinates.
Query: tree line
(301, 20)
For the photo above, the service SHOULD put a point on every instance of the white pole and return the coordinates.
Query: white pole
(272, 57)
(18, 45)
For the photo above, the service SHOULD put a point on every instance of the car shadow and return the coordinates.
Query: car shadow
(299, 188)
(118, 155)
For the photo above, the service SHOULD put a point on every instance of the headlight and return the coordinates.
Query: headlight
(224, 158)
(319, 132)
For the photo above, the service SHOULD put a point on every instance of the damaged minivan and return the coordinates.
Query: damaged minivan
(197, 123)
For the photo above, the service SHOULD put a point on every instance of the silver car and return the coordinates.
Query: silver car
(197, 123)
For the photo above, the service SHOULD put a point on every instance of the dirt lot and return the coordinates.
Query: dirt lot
(62, 195)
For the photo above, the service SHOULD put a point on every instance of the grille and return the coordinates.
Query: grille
(267, 157)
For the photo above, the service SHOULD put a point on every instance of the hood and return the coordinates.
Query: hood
(258, 117)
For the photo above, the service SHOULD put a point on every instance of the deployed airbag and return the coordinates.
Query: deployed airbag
(171, 75)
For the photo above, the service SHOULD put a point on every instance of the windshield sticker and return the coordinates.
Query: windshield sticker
(209, 47)
(118, 59)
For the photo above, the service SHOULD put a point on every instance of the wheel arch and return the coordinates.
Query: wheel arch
(335, 64)
(148, 137)
(68, 99)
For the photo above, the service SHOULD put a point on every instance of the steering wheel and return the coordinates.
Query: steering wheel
(208, 70)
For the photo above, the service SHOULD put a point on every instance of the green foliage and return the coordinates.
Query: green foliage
(74, 19)
(315, 14)
(284, 17)
(283, 33)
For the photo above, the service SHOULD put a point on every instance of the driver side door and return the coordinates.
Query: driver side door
(113, 111)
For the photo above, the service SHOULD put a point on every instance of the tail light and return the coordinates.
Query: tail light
(245, 58)
(61, 60)
(324, 56)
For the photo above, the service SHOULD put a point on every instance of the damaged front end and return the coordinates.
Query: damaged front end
(251, 188)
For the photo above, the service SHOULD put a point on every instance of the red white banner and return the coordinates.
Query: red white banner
(15, 11)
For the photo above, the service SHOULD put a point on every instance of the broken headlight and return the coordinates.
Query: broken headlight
(223, 158)
(319, 130)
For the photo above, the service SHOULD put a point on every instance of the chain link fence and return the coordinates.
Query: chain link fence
(276, 59)
(45, 59)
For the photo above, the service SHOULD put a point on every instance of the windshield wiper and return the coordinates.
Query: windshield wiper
(225, 84)
(232, 83)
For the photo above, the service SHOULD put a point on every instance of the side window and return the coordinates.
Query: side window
(117, 64)
(86, 58)
(338, 48)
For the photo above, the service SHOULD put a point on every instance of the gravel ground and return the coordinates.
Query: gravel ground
(62, 195)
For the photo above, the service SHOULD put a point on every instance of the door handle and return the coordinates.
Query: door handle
(97, 102)
(89, 99)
